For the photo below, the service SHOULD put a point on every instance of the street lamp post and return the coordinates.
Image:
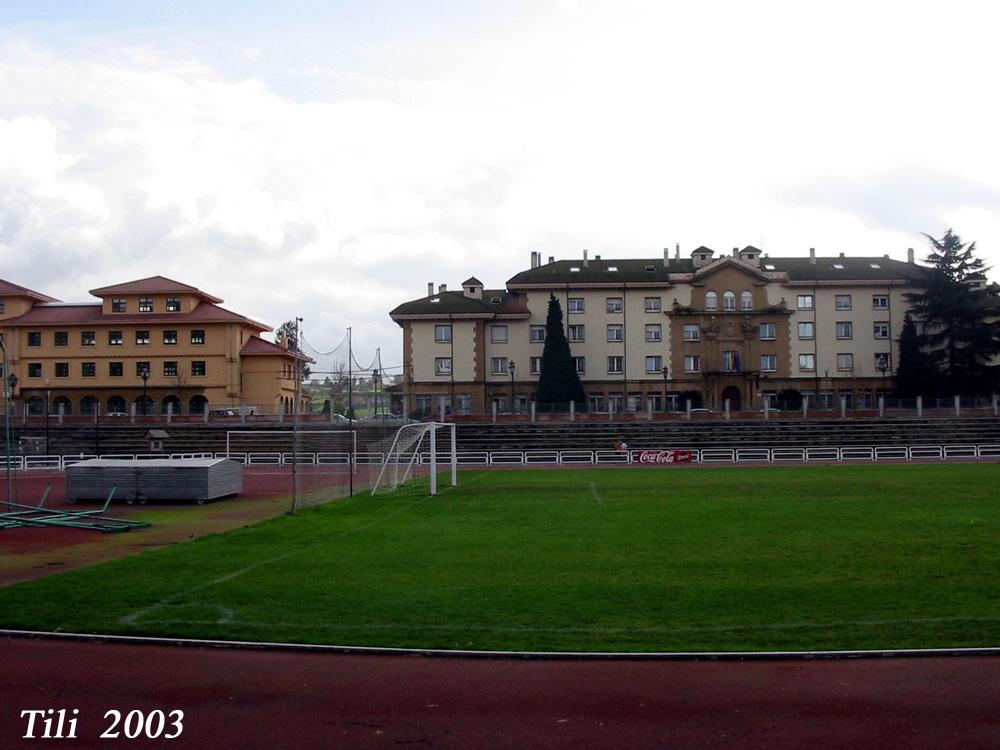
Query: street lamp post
(375, 384)
(883, 367)
(511, 367)
(666, 379)
(144, 374)
(47, 394)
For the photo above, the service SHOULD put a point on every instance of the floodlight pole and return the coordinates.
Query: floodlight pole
(350, 414)
(8, 387)
(295, 418)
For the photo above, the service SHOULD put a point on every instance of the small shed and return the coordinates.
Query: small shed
(156, 438)
(195, 479)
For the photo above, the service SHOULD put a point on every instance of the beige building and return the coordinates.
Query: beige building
(655, 332)
(153, 343)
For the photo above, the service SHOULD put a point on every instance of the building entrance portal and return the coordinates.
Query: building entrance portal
(733, 394)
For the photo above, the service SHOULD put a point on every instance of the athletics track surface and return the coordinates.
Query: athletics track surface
(276, 699)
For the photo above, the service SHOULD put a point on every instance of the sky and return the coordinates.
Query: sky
(327, 160)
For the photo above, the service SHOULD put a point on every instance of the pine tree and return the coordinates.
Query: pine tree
(916, 374)
(558, 382)
(955, 306)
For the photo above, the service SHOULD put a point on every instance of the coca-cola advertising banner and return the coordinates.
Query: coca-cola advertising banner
(664, 457)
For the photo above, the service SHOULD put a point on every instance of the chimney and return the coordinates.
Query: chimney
(677, 251)
(666, 257)
(909, 255)
(736, 252)
(430, 288)
(552, 259)
(812, 255)
(842, 255)
(597, 257)
(886, 256)
(442, 288)
(585, 261)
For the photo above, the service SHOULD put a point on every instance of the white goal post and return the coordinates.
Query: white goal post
(405, 457)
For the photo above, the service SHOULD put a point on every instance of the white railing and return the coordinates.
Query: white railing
(830, 454)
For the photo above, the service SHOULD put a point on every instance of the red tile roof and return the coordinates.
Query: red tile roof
(15, 290)
(152, 285)
(92, 313)
(257, 345)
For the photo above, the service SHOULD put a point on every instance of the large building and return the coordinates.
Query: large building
(655, 332)
(153, 343)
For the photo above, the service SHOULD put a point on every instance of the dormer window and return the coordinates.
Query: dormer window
(839, 266)
(612, 268)
(875, 265)
(435, 299)
(574, 269)
(651, 269)
(768, 266)
(495, 300)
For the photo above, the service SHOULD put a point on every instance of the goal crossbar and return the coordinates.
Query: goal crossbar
(426, 428)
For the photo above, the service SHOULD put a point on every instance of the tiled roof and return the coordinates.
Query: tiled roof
(472, 280)
(16, 290)
(152, 285)
(257, 345)
(456, 303)
(92, 313)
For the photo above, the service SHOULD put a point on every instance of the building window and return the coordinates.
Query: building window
(807, 331)
(711, 301)
(616, 332)
(498, 334)
(34, 369)
(535, 365)
(170, 338)
(596, 403)
(62, 338)
(731, 361)
(197, 336)
(692, 332)
(442, 365)
(198, 368)
(536, 334)
(881, 329)
(118, 304)
(62, 369)
(768, 362)
(845, 329)
(116, 369)
(882, 361)
(768, 332)
(614, 304)
(654, 364)
(142, 367)
(842, 302)
(653, 304)
(498, 365)
(654, 332)
(807, 362)
(692, 363)
(34, 338)
(576, 332)
(88, 369)
(614, 364)
(3, 306)
(173, 304)
(728, 301)
(145, 304)
(746, 301)
(880, 301)
(115, 338)
(170, 369)
(88, 338)
(845, 362)
(576, 304)
(142, 338)
(442, 334)
(804, 302)
(580, 363)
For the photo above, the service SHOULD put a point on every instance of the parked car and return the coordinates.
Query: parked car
(386, 419)
(116, 414)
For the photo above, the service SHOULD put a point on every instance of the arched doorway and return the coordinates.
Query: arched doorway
(116, 405)
(735, 397)
(144, 405)
(197, 404)
(173, 402)
(36, 406)
(88, 405)
(65, 403)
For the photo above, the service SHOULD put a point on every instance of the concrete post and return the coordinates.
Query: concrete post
(996, 405)
(170, 413)
(958, 406)
(572, 411)
(805, 405)
(204, 413)
(881, 406)
(843, 407)
(688, 409)
(767, 408)
(532, 412)
(649, 409)
(62, 412)
(726, 408)
(611, 410)
(441, 410)
(281, 413)
(920, 406)
(132, 413)
(494, 402)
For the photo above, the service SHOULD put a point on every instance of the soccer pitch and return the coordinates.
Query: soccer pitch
(629, 559)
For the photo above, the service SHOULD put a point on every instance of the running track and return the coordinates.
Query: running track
(273, 699)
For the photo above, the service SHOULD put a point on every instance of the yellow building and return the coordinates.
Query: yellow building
(154, 343)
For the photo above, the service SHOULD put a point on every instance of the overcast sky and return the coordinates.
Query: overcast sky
(328, 159)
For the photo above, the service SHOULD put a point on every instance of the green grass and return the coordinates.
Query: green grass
(838, 557)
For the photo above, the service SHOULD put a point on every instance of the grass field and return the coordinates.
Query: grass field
(838, 557)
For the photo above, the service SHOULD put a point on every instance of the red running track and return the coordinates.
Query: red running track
(274, 699)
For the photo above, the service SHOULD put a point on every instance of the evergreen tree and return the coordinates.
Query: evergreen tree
(558, 382)
(916, 374)
(955, 305)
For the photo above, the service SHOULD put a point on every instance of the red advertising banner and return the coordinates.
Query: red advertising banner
(664, 457)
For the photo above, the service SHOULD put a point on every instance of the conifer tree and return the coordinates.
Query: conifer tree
(916, 374)
(558, 382)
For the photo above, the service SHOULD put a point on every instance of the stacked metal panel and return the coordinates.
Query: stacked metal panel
(195, 479)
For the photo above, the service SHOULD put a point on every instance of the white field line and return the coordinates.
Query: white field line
(133, 617)
(595, 493)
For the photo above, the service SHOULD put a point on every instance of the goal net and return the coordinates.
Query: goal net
(312, 466)
(418, 460)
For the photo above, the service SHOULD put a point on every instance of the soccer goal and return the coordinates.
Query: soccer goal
(315, 466)
(413, 458)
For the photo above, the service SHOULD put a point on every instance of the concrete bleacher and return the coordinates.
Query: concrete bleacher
(71, 439)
